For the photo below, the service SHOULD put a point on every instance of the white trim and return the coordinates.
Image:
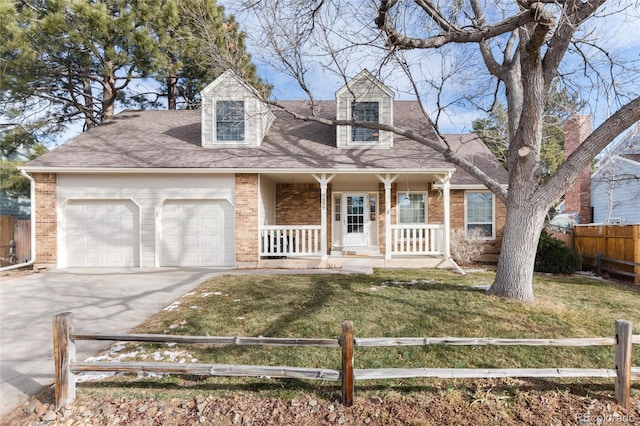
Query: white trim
(493, 212)
(323, 180)
(469, 186)
(169, 170)
(611, 162)
(387, 180)
(359, 78)
(446, 190)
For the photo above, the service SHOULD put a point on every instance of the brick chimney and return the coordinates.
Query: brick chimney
(578, 195)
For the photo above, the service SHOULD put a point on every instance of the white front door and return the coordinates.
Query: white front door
(356, 220)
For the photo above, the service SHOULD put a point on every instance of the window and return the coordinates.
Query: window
(230, 120)
(365, 111)
(412, 208)
(337, 207)
(479, 212)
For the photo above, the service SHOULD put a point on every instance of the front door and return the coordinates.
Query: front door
(355, 222)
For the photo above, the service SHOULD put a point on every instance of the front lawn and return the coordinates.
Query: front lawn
(389, 303)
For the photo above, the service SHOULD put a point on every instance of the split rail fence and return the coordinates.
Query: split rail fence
(66, 367)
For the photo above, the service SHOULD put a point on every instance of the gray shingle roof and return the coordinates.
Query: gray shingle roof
(171, 139)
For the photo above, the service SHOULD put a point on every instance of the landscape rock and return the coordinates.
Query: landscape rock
(446, 405)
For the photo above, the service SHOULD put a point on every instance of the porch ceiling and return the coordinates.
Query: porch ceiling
(351, 177)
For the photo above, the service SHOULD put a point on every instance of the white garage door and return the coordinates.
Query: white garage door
(197, 233)
(102, 233)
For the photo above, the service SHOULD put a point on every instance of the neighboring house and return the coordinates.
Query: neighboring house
(237, 184)
(615, 184)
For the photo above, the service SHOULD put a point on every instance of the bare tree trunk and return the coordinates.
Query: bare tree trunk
(514, 277)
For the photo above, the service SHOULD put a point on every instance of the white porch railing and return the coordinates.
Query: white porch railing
(291, 240)
(417, 239)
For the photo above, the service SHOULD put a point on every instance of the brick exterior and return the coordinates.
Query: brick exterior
(46, 218)
(578, 196)
(246, 231)
(298, 203)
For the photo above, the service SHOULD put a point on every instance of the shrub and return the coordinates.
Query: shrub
(467, 246)
(553, 256)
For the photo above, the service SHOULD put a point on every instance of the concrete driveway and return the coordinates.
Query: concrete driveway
(104, 300)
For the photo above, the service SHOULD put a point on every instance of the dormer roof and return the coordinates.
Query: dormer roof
(362, 80)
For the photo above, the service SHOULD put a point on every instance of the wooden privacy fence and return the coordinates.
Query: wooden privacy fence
(66, 367)
(614, 249)
(15, 240)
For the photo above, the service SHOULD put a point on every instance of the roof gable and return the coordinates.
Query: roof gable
(364, 79)
(229, 77)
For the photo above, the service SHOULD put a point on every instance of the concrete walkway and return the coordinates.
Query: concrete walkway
(105, 300)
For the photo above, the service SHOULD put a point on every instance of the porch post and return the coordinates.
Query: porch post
(446, 186)
(387, 179)
(323, 180)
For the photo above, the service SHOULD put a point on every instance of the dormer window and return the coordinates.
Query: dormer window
(369, 112)
(230, 121)
(364, 99)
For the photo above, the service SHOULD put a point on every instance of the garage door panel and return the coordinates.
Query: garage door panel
(196, 233)
(101, 233)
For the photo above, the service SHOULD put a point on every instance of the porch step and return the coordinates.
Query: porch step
(360, 252)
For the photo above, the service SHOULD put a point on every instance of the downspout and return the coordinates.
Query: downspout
(33, 227)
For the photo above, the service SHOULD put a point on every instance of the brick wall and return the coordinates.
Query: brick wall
(246, 217)
(46, 218)
(578, 195)
(299, 203)
(456, 197)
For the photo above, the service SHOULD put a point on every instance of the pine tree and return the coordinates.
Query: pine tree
(493, 130)
(67, 60)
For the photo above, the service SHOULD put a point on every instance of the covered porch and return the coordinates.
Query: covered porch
(388, 219)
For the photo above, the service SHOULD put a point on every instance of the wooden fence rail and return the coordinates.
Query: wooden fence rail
(66, 366)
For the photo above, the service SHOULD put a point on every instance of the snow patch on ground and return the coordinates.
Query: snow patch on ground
(114, 354)
(172, 307)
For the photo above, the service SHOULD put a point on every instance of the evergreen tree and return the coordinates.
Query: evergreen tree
(68, 60)
(16, 147)
(199, 43)
(493, 130)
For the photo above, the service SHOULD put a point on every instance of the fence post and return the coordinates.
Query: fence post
(623, 362)
(64, 352)
(346, 341)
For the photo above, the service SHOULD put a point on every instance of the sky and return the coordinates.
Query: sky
(618, 32)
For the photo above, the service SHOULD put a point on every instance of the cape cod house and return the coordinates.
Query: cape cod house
(237, 184)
